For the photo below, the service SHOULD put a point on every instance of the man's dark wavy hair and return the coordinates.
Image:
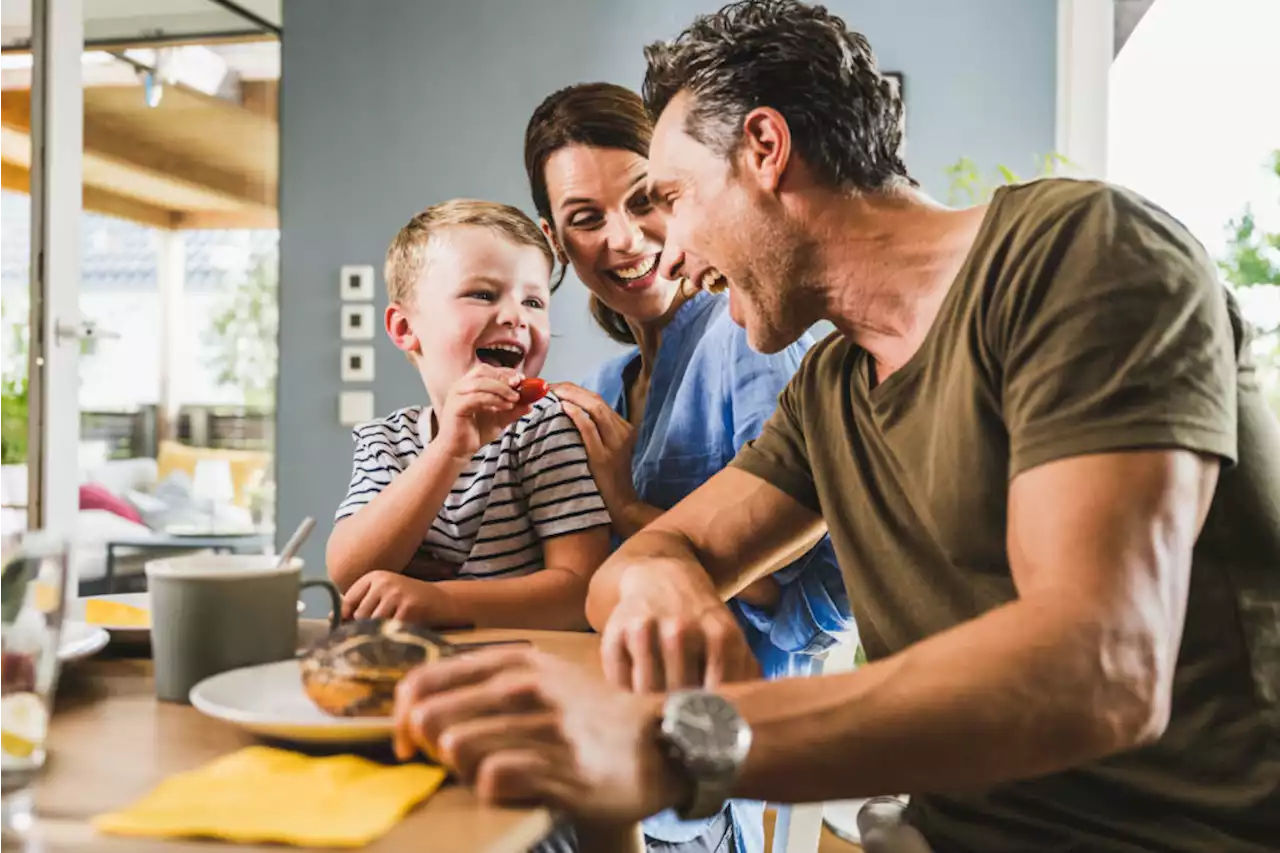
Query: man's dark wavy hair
(845, 117)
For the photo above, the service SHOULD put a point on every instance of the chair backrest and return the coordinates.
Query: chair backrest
(798, 829)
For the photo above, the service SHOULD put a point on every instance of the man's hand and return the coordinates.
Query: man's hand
(525, 727)
(658, 600)
(480, 405)
(670, 630)
(388, 595)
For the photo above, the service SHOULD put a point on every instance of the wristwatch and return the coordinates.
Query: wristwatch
(706, 741)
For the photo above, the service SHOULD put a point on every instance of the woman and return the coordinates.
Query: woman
(661, 419)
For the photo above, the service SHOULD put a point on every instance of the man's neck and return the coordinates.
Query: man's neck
(886, 263)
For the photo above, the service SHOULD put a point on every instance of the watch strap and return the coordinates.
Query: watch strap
(708, 797)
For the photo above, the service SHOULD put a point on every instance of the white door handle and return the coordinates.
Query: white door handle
(86, 330)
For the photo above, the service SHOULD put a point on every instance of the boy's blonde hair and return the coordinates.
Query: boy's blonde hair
(407, 256)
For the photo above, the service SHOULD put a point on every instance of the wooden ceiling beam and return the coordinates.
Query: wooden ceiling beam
(262, 98)
(18, 178)
(107, 142)
(248, 37)
(222, 220)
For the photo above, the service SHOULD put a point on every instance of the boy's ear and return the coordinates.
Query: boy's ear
(401, 333)
(550, 234)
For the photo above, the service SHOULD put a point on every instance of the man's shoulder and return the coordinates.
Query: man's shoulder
(1068, 209)
(1044, 197)
(1054, 244)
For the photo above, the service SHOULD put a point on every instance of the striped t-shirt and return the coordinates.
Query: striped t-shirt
(530, 484)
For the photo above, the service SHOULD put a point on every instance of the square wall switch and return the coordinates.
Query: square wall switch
(356, 282)
(357, 364)
(357, 321)
(355, 407)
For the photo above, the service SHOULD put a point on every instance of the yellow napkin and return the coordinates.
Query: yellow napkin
(116, 614)
(260, 794)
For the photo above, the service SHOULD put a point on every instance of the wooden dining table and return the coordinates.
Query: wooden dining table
(110, 742)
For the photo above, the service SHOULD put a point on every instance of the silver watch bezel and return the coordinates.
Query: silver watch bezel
(712, 776)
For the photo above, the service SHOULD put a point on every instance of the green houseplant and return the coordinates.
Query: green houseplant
(1252, 257)
(13, 395)
(1252, 260)
(968, 184)
(243, 333)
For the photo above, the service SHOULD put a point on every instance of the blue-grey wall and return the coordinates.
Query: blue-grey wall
(390, 105)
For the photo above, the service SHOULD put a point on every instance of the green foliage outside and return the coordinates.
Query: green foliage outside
(243, 334)
(969, 185)
(1252, 260)
(13, 394)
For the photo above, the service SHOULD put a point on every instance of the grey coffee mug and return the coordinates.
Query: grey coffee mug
(214, 613)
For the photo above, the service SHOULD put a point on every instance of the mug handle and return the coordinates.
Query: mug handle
(335, 598)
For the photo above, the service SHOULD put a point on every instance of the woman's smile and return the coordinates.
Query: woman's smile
(635, 275)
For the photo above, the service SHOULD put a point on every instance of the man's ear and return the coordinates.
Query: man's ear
(396, 321)
(550, 234)
(766, 146)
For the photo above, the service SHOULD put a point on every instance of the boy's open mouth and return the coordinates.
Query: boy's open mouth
(501, 355)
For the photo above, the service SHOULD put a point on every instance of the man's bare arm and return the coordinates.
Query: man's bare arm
(1079, 666)
(732, 530)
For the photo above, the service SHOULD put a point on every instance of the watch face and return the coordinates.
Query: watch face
(708, 732)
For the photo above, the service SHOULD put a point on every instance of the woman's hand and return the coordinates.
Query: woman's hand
(610, 443)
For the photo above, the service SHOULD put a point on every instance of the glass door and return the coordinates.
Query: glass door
(150, 198)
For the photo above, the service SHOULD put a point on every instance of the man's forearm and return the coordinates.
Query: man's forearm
(387, 532)
(1023, 691)
(550, 599)
(635, 517)
(664, 556)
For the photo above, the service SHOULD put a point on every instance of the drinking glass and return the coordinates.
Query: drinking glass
(33, 598)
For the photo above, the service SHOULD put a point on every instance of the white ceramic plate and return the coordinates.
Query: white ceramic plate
(128, 633)
(80, 640)
(268, 700)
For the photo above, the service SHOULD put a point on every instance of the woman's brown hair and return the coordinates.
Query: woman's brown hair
(601, 115)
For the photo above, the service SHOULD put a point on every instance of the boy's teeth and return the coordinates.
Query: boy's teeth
(713, 280)
(640, 270)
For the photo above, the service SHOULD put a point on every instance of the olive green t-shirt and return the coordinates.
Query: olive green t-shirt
(1084, 320)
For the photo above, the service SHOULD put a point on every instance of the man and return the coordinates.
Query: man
(1041, 453)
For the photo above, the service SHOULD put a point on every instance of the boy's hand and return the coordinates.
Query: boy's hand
(388, 595)
(480, 405)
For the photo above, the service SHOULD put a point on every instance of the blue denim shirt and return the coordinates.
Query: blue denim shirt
(710, 394)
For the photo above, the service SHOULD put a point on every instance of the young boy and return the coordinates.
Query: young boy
(478, 486)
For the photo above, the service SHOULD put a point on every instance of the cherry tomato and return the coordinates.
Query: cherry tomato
(532, 390)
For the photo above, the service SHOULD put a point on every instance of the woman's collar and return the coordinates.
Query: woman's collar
(689, 311)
